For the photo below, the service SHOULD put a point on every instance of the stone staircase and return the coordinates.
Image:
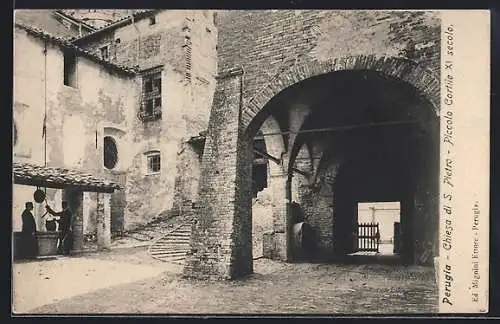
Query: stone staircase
(173, 246)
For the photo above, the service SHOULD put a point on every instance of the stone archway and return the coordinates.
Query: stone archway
(400, 68)
(221, 243)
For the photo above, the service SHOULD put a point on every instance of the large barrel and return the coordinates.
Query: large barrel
(302, 239)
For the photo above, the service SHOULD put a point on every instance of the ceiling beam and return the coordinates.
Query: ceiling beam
(278, 161)
(339, 128)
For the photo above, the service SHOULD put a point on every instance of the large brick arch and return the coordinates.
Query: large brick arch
(406, 70)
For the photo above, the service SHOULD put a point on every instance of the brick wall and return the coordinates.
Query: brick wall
(280, 39)
(283, 48)
(221, 243)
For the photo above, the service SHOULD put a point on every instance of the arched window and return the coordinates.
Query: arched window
(110, 153)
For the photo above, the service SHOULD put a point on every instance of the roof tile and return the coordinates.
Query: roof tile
(66, 43)
(24, 172)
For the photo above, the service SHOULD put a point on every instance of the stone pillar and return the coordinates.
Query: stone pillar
(277, 183)
(75, 200)
(288, 233)
(426, 214)
(221, 241)
(407, 237)
(103, 220)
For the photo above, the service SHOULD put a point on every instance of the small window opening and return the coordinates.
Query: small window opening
(157, 85)
(70, 69)
(151, 96)
(157, 102)
(149, 107)
(105, 53)
(118, 41)
(148, 85)
(153, 161)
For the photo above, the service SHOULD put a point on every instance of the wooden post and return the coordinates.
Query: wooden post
(103, 220)
(74, 198)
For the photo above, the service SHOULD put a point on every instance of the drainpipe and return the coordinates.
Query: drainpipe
(138, 40)
(45, 103)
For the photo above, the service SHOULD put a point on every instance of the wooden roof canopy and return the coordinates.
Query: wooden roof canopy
(59, 178)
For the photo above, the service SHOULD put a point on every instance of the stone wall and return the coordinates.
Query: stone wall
(183, 43)
(75, 116)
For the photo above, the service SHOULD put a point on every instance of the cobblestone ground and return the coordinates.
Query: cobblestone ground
(275, 288)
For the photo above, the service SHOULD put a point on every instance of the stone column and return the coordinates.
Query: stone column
(75, 200)
(103, 220)
(407, 237)
(277, 183)
(221, 241)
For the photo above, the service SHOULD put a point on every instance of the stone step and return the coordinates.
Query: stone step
(169, 248)
(174, 246)
(183, 230)
(176, 234)
(169, 253)
(175, 239)
(169, 258)
(175, 243)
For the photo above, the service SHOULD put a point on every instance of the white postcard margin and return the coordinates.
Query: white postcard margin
(463, 262)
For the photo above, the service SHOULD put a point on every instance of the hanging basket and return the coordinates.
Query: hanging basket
(39, 196)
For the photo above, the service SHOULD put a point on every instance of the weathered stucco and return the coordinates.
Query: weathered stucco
(107, 103)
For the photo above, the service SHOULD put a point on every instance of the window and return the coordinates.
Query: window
(152, 20)
(117, 41)
(153, 162)
(151, 95)
(110, 153)
(70, 69)
(105, 53)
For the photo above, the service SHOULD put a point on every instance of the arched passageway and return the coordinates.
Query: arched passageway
(349, 136)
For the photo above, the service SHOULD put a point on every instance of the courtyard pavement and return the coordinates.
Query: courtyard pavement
(45, 281)
(128, 281)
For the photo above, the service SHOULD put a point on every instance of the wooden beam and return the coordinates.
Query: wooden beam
(52, 185)
(267, 156)
(338, 128)
(278, 161)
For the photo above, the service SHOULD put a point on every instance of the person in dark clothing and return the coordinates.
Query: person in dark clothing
(29, 243)
(64, 220)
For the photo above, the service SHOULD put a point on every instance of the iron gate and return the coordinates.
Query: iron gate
(368, 237)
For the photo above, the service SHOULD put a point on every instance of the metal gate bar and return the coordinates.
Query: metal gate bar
(368, 240)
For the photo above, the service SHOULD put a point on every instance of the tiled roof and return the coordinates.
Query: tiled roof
(75, 19)
(53, 177)
(139, 14)
(46, 20)
(66, 43)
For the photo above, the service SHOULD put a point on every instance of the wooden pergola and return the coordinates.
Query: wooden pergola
(59, 178)
(73, 183)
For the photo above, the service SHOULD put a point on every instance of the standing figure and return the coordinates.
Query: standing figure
(64, 220)
(29, 243)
